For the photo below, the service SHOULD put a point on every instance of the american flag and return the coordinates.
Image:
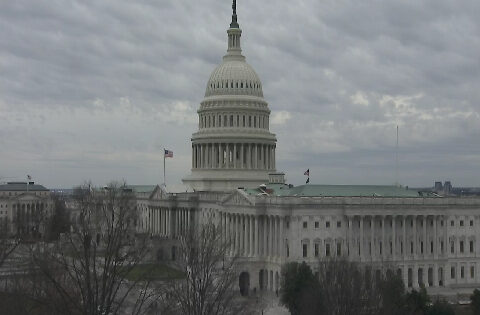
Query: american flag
(307, 172)
(168, 154)
(29, 177)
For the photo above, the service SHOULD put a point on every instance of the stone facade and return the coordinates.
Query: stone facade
(24, 208)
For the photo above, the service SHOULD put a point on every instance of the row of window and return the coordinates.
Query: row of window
(228, 84)
(317, 224)
(244, 121)
(462, 272)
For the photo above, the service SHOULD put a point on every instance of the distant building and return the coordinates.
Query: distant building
(24, 208)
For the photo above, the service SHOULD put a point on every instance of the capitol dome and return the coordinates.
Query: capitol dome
(234, 77)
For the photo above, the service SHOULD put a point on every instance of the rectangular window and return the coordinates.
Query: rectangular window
(305, 224)
(472, 272)
(316, 249)
(401, 248)
(431, 247)
(339, 249)
(471, 222)
(327, 224)
(452, 223)
(327, 250)
(471, 246)
(462, 272)
(452, 247)
(339, 224)
(370, 247)
(381, 248)
(317, 224)
(461, 222)
(441, 223)
(305, 250)
(288, 224)
(441, 246)
(452, 272)
(411, 247)
(421, 247)
(391, 248)
(461, 246)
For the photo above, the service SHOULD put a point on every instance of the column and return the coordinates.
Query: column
(245, 235)
(384, 246)
(435, 272)
(234, 155)
(435, 238)
(250, 238)
(257, 237)
(425, 237)
(361, 240)
(270, 240)
(280, 239)
(414, 237)
(264, 229)
(394, 236)
(255, 159)
(202, 160)
(193, 156)
(237, 233)
(220, 155)
(404, 237)
(242, 162)
(372, 237)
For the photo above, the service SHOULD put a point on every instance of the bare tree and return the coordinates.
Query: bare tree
(346, 288)
(87, 271)
(8, 244)
(210, 274)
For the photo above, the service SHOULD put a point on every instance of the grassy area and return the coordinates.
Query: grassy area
(154, 272)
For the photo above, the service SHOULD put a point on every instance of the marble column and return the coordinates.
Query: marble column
(362, 247)
(394, 237)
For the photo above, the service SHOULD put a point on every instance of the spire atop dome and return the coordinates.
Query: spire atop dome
(234, 23)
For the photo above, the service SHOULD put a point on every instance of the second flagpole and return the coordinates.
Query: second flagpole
(164, 180)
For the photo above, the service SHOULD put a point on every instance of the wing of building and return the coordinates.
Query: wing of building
(428, 240)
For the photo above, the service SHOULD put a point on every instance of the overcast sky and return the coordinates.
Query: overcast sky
(95, 89)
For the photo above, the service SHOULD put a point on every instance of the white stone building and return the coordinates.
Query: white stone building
(429, 241)
(24, 208)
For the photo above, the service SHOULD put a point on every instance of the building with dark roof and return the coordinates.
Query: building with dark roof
(24, 208)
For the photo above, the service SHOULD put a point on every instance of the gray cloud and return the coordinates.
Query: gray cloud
(95, 89)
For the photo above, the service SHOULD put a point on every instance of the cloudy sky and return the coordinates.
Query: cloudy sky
(95, 89)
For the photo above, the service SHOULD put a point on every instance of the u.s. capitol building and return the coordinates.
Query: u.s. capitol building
(429, 241)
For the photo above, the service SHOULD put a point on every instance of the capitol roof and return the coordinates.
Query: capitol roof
(336, 191)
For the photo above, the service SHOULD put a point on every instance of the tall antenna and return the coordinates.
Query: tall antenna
(396, 162)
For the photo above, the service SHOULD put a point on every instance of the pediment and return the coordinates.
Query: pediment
(238, 198)
(158, 193)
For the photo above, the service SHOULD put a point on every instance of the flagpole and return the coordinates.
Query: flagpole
(164, 181)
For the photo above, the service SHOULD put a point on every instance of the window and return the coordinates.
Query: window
(431, 247)
(471, 222)
(327, 224)
(441, 222)
(316, 249)
(339, 224)
(452, 247)
(452, 223)
(441, 246)
(391, 248)
(381, 248)
(327, 250)
(317, 224)
(305, 250)
(452, 272)
(288, 251)
(461, 246)
(472, 272)
(305, 224)
(462, 272)
(421, 247)
(339, 249)
(431, 223)
(471, 246)
(288, 224)
(461, 222)
(401, 248)
(411, 223)
(411, 247)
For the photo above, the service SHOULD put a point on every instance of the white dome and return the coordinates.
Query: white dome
(234, 77)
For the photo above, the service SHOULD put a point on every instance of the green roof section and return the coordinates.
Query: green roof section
(142, 188)
(335, 191)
